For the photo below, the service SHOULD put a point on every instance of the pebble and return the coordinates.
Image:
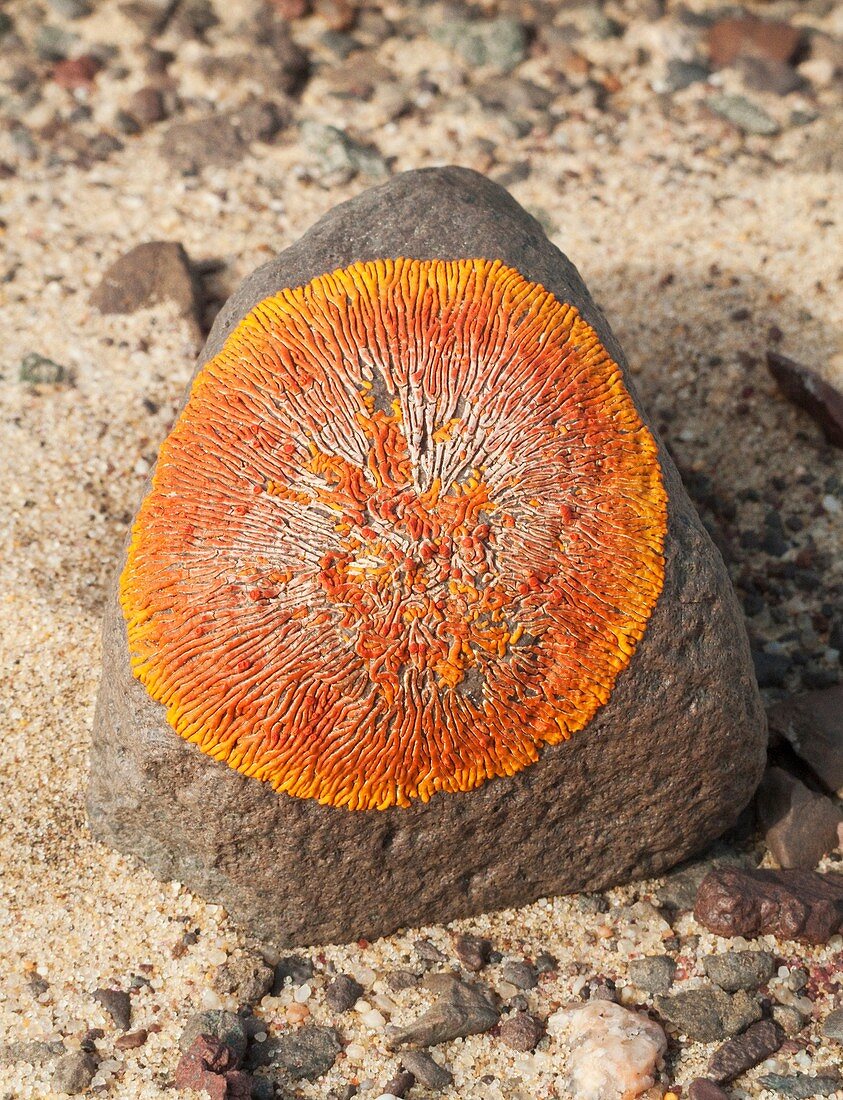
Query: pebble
(653, 974)
(499, 43)
(38, 370)
(245, 977)
(157, 271)
(790, 1019)
(132, 1039)
(797, 905)
(36, 1052)
(71, 9)
(730, 39)
(745, 1051)
(147, 105)
(340, 156)
(74, 1072)
(301, 1054)
(228, 1027)
(293, 969)
(743, 114)
(800, 1086)
(400, 1084)
(833, 1026)
(426, 1070)
(702, 1089)
(734, 970)
(521, 1031)
(682, 74)
(473, 952)
(342, 993)
(465, 1008)
(191, 146)
(800, 826)
(209, 1065)
(613, 1052)
(398, 980)
(117, 1004)
(804, 387)
(708, 1014)
(522, 975)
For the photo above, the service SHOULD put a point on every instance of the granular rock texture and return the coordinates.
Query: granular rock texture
(639, 650)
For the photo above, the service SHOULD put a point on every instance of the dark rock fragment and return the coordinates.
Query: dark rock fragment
(342, 993)
(227, 1027)
(702, 1089)
(738, 1055)
(74, 1073)
(467, 1008)
(797, 905)
(654, 974)
(473, 952)
(157, 271)
(293, 969)
(246, 977)
(810, 392)
(734, 970)
(800, 826)
(426, 1071)
(706, 1015)
(521, 1031)
(300, 1054)
(801, 1086)
(117, 1004)
(812, 723)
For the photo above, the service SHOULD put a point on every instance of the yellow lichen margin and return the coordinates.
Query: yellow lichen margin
(407, 530)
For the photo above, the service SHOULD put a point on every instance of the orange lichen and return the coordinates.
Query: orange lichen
(407, 530)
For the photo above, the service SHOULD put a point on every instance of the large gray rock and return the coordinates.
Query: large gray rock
(664, 767)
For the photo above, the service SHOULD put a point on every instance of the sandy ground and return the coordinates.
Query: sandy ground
(705, 246)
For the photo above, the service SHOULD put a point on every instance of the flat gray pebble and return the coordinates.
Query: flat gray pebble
(734, 970)
(426, 1070)
(74, 1073)
(654, 974)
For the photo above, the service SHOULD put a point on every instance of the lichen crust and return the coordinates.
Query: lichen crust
(407, 530)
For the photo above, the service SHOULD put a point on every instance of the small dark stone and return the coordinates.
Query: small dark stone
(701, 1089)
(797, 905)
(465, 1008)
(262, 1088)
(428, 952)
(546, 963)
(810, 392)
(132, 1039)
(800, 1086)
(188, 147)
(734, 970)
(228, 1027)
(653, 974)
(157, 271)
(770, 668)
(812, 724)
(708, 1014)
(400, 1084)
(89, 1040)
(521, 1031)
(148, 105)
(301, 1054)
(790, 1019)
(245, 977)
(38, 370)
(473, 952)
(342, 993)
(74, 1073)
(426, 1071)
(681, 74)
(800, 825)
(679, 890)
(761, 74)
(522, 975)
(293, 969)
(600, 989)
(117, 1004)
(738, 1055)
(833, 1026)
(401, 979)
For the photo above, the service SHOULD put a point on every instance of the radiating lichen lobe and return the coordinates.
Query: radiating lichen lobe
(407, 530)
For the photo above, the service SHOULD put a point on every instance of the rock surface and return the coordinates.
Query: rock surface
(800, 826)
(795, 905)
(734, 970)
(813, 724)
(588, 813)
(706, 1015)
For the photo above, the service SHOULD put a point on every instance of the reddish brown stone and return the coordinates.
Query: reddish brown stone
(743, 1052)
(800, 825)
(155, 271)
(132, 1039)
(77, 72)
(204, 1066)
(703, 1089)
(813, 724)
(794, 905)
(521, 1031)
(806, 389)
(730, 39)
